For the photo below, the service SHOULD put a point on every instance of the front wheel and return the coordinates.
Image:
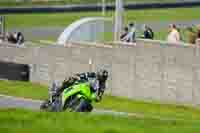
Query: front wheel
(76, 104)
(83, 106)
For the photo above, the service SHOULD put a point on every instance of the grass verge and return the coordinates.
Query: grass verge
(22, 121)
(64, 19)
(35, 91)
(23, 89)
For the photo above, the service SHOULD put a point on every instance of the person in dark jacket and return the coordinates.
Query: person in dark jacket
(11, 38)
(16, 38)
(148, 33)
(19, 38)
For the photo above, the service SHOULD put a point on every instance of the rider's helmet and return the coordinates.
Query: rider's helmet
(102, 75)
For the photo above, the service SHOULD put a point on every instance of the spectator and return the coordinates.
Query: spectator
(198, 31)
(1, 37)
(192, 35)
(10, 38)
(148, 33)
(179, 31)
(19, 38)
(124, 34)
(174, 35)
(16, 38)
(130, 37)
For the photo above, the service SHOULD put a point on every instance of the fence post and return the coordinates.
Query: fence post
(118, 19)
(2, 27)
(103, 8)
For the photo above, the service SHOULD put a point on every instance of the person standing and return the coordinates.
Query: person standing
(198, 31)
(131, 36)
(148, 33)
(192, 35)
(10, 37)
(124, 34)
(20, 38)
(174, 35)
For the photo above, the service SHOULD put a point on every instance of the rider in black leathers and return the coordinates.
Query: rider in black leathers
(97, 82)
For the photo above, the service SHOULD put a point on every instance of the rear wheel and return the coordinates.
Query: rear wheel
(54, 106)
(45, 105)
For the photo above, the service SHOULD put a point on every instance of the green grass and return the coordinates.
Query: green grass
(35, 91)
(44, 20)
(22, 121)
(64, 19)
(23, 89)
(149, 109)
(11, 3)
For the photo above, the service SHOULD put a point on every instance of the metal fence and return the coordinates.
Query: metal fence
(91, 1)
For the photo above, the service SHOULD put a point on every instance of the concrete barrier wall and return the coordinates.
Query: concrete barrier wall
(151, 70)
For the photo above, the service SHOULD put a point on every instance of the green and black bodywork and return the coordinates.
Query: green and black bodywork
(77, 98)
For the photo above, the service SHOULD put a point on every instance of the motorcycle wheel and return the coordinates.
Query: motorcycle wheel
(75, 104)
(83, 106)
(69, 102)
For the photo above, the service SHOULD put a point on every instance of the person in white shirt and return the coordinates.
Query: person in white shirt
(174, 35)
(130, 37)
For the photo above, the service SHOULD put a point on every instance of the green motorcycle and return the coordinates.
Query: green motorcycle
(75, 98)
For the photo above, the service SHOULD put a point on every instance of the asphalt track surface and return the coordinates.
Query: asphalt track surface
(11, 102)
(14, 102)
